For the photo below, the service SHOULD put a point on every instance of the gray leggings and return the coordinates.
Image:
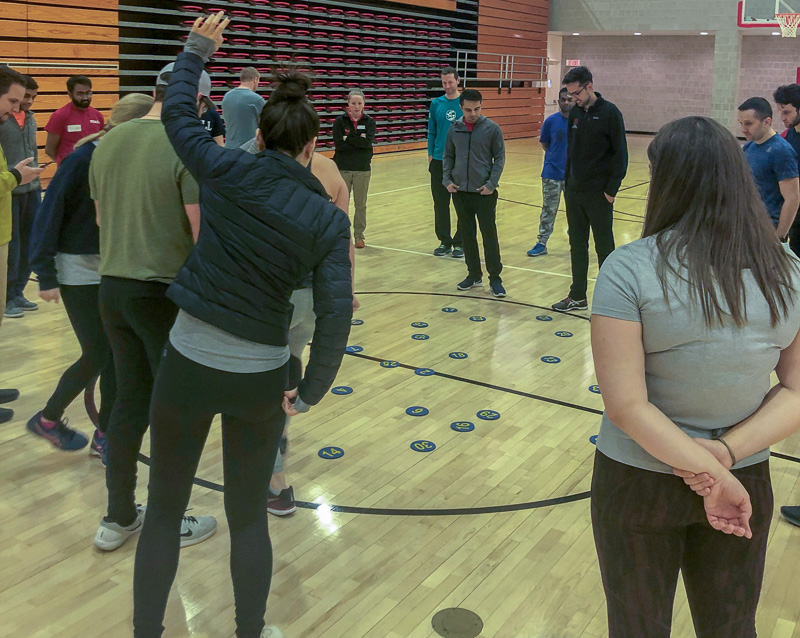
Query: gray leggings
(300, 332)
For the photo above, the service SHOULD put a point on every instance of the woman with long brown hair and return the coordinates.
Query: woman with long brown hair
(688, 324)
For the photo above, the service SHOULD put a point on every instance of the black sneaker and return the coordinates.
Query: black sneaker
(442, 251)
(7, 396)
(458, 253)
(468, 283)
(282, 504)
(791, 514)
(6, 415)
(24, 304)
(497, 289)
(568, 304)
(13, 311)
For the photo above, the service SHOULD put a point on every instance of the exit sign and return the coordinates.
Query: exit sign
(573, 62)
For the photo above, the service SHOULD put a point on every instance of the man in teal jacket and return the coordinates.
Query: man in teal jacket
(445, 110)
(12, 90)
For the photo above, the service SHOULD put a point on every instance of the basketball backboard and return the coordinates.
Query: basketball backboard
(761, 13)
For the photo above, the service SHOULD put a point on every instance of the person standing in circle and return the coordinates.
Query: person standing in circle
(445, 110)
(688, 324)
(353, 137)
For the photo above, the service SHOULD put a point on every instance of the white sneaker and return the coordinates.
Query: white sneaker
(196, 529)
(111, 536)
(271, 632)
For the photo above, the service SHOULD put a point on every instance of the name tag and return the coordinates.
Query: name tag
(74, 128)
(95, 121)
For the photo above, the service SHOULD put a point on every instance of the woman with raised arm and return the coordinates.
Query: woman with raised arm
(266, 224)
(688, 323)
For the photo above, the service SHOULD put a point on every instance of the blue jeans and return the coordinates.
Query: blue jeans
(23, 214)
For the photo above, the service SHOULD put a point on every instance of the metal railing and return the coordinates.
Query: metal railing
(507, 70)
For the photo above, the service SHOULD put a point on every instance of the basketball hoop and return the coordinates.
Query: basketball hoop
(788, 23)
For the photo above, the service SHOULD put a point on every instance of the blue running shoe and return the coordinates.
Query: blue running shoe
(538, 250)
(61, 436)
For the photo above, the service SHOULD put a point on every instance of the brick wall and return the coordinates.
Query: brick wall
(767, 62)
(652, 79)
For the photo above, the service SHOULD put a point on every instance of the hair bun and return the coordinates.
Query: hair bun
(290, 85)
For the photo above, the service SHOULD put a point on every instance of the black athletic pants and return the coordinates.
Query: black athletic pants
(472, 206)
(24, 208)
(138, 317)
(187, 396)
(83, 310)
(587, 211)
(649, 527)
(441, 207)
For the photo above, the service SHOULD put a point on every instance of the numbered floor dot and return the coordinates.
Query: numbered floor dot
(417, 410)
(551, 359)
(354, 349)
(449, 309)
(390, 364)
(419, 324)
(357, 322)
(594, 388)
(423, 446)
(544, 318)
(563, 333)
(425, 372)
(462, 426)
(342, 390)
(459, 355)
(477, 318)
(420, 337)
(593, 439)
(488, 415)
(329, 453)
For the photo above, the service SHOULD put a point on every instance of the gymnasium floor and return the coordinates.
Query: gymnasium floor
(528, 572)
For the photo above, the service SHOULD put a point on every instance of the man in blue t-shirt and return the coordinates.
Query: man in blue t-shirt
(787, 98)
(773, 163)
(445, 110)
(553, 138)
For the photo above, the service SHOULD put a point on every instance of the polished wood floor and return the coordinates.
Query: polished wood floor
(528, 574)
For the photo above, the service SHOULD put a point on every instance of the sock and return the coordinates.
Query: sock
(273, 492)
(47, 425)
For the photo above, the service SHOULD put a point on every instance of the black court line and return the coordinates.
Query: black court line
(448, 294)
(388, 511)
(483, 384)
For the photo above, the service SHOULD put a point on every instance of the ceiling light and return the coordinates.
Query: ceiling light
(776, 33)
(704, 33)
(637, 33)
(576, 34)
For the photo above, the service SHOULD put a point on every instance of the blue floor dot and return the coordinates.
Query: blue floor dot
(563, 333)
(424, 372)
(330, 453)
(419, 324)
(449, 309)
(593, 439)
(342, 390)
(420, 337)
(462, 426)
(594, 388)
(357, 322)
(544, 318)
(477, 318)
(488, 415)
(459, 355)
(390, 364)
(423, 446)
(551, 359)
(417, 410)
(354, 349)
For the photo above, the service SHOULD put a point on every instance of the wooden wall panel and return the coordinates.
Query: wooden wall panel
(518, 28)
(43, 38)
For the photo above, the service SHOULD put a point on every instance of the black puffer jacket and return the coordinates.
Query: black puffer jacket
(266, 222)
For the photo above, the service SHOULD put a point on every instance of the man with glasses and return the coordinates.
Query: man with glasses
(74, 121)
(597, 160)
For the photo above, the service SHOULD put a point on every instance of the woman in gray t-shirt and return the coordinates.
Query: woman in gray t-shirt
(688, 324)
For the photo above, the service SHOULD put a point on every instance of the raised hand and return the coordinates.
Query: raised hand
(728, 507)
(211, 27)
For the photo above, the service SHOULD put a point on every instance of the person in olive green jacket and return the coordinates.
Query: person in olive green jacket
(12, 90)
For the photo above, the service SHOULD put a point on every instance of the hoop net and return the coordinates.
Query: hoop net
(788, 23)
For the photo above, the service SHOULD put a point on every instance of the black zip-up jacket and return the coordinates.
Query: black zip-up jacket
(353, 147)
(265, 223)
(597, 151)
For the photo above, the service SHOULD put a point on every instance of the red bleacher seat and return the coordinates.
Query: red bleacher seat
(301, 20)
(281, 18)
(240, 42)
(192, 8)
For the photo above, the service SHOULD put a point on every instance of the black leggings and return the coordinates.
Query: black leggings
(649, 527)
(186, 398)
(82, 308)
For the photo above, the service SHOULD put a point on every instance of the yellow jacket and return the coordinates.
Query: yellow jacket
(8, 182)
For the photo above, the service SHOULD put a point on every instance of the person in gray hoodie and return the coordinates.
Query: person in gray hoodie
(474, 158)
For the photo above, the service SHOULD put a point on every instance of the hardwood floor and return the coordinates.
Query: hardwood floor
(529, 573)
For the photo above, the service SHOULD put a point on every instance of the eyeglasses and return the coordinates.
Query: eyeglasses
(578, 92)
